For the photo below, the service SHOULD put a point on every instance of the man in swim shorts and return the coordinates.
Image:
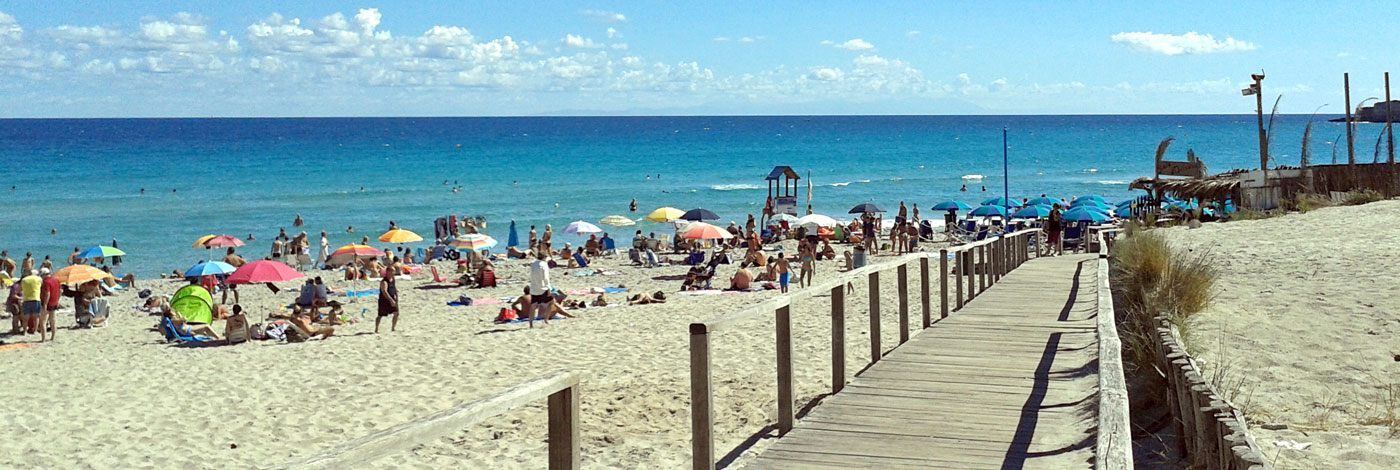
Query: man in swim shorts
(31, 301)
(783, 271)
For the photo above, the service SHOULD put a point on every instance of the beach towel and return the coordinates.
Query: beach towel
(7, 347)
(523, 320)
(360, 293)
(597, 290)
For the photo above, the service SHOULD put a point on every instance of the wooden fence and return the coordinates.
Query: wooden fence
(561, 388)
(1214, 434)
(982, 264)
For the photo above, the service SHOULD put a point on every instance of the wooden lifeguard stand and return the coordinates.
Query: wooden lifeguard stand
(782, 190)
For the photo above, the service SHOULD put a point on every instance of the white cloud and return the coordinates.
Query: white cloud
(747, 39)
(721, 39)
(10, 30)
(580, 43)
(912, 34)
(856, 44)
(604, 16)
(613, 34)
(1191, 43)
(827, 42)
(825, 74)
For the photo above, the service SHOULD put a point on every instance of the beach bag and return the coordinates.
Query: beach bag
(506, 315)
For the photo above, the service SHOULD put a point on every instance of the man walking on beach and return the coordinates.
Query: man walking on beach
(540, 287)
(388, 297)
(1053, 227)
(51, 291)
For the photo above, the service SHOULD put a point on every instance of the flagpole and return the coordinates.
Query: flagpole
(1005, 167)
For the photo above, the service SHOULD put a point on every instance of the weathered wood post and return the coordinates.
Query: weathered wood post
(942, 287)
(838, 338)
(902, 285)
(874, 317)
(784, 353)
(961, 267)
(981, 269)
(925, 286)
(563, 429)
(702, 416)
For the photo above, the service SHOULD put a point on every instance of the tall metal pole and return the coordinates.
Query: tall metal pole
(1005, 169)
(1346, 90)
(1259, 113)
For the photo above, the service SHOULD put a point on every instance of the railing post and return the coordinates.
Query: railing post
(838, 338)
(996, 258)
(784, 353)
(903, 287)
(925, 286)
(960, 265)
(563, 429)
(874, 317)
(702, 416)
(981, 269)
(970, 260)
(942, 286)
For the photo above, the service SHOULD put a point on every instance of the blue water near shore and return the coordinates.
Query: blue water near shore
(238, 176)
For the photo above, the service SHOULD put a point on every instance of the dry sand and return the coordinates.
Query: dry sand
(1308, 315)
(120, 397)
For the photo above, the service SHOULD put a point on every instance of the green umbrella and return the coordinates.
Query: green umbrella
(101, 252)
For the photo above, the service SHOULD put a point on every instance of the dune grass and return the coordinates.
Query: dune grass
(1363, 197)
(1151, 277)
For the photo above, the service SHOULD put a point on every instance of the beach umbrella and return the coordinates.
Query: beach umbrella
(1033, 211)
(951, 206)
(400, 236)
(617, 221)
(222, 241)
(665, 214)
(789, 218)
(1123, 211)
(1086, 198)
(700, 214)
(579, 227)
(514, 239)
(817, 220)
(263, 271)
(1086, 214)
(199, 242)
(101, 252)
(77, 274)
(990, 211)
(1100, 205)
(208, 268)
(1047, 201)
(1001, 201)
(704, 231)
(864, 208)
(348, 253)
(194, 304)
(473, 242)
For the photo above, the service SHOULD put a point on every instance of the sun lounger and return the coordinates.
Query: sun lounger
(173, 335)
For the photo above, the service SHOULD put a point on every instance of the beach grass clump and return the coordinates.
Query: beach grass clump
(1250, 214)
(1310, 202)
(1151, 277)
(1363, 197)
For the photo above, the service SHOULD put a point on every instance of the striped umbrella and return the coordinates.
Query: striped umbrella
(77, 274)
(348, 253)
(399, 235)
(473, 242)
(704, 231)
(617, 221)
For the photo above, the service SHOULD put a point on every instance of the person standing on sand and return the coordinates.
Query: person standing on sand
(1053, 227)
(808, 257)
(28, 264)
(51, 291)
(547, 240)
(388, 297)
(31, 301)
(325, 253)
(47, 264)
(540, 288)
(903, 214)
(750, 225)
(915, 219)
(782, 268)
(534, 239)
(9, 265)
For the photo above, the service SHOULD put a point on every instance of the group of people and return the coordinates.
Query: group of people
(33, 303)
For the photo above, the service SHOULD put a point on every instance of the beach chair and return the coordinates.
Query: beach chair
(634, 255)
(488, 279)
(609, 246)
(172, 335)
(582, 262)
(665, 242)
(437, 278)
(236, 329)
(98, 314)
(305, 263)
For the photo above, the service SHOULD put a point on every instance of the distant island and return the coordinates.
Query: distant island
(1375, 113)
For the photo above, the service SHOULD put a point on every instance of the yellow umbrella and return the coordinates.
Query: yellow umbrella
(665, 214)
(399, 235)
(200, 242)
(79, 273)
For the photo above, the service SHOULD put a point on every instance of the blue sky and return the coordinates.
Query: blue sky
(409, 58)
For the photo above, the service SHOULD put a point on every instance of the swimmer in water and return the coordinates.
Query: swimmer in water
(964, 188)
(250, 237)
(350, 229)
(362, 189)
(143, 190)
(53, 232)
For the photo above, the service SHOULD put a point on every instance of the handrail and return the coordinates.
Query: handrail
(995, 258)
(1114, 448)
(562, 388)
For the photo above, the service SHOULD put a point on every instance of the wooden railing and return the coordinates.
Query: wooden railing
(1114, 449)
(562, 388)
(982, 263)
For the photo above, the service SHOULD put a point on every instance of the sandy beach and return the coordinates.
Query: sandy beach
(121, 397)
(1307, 318)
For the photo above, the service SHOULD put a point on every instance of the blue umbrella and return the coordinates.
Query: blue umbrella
(1086, 214)
(1001, 201)
(1048, 201)
(1095, 198)
(514, 239)
(951, 206)
(865, 207)
(1100, 205)
(989, 211)
(1033, 211)
(1124, 211)
(209, 268)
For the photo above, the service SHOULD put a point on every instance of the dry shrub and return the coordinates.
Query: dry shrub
(1151, 277)
(1310, 202)
(1363, 197)
(1250, 214)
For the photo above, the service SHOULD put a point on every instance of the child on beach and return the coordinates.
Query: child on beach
(782, 268)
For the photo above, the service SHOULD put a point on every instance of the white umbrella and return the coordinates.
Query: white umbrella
(580, 227)
(784, 218)
(817, 220)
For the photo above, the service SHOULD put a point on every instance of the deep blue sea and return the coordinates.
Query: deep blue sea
(84, 177)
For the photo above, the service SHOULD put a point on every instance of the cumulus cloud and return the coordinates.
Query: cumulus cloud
(856, 44)
(721, 39)
(613, 34)
(825, 74)
(580, 43)
(1191, 43)
(604, 16)
(10, 30)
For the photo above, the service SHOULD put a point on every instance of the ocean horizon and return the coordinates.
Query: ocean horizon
(238, 176)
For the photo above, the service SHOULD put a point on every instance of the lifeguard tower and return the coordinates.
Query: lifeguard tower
(782, 190)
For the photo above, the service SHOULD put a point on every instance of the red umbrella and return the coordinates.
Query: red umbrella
(263, 271)
(222, 241)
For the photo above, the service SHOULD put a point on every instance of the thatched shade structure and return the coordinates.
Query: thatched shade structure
(1216, 188)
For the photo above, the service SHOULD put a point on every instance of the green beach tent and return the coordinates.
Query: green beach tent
(194, 304)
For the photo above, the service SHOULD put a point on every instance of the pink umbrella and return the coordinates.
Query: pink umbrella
(222, 241)
(263, 271)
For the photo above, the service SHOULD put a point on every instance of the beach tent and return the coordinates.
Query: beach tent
(194, 304)
(514, 239)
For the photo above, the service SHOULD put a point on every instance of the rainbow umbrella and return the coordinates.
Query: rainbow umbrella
(348, 253)
(473, 242)
(704, 231)
(665, 214)
(263, 271)
(78, 274)
(101, 252)
(399, 235)
(222, 241)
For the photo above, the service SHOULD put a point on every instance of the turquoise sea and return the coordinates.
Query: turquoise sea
(83, 177)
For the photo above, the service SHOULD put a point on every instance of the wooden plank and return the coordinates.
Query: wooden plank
(563, 429)
(408, 435)
(902, 286)
(874, 317)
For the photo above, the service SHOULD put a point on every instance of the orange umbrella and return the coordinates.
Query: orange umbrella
(348, 253)
(78, 274)
(399, 235)
(704, 231)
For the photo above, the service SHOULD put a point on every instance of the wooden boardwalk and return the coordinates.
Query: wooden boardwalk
(1008, 382)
